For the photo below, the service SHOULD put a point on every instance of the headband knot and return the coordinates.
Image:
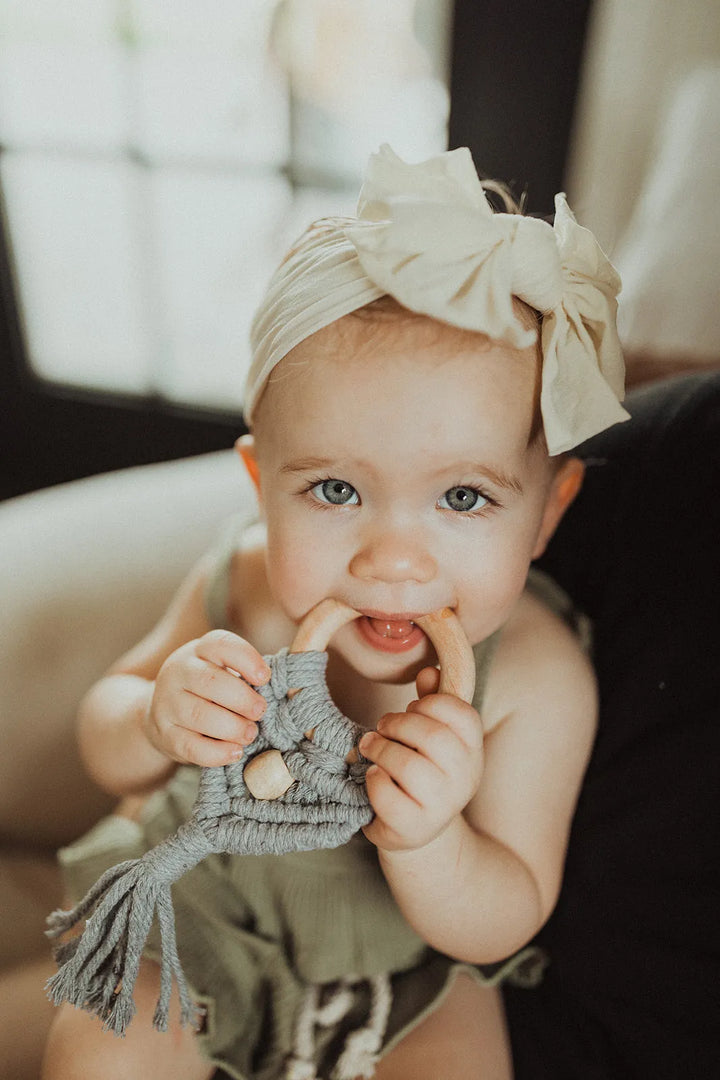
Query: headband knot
(426, 235)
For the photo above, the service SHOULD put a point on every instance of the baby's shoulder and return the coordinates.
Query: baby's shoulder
(542, 625)
(541, 665)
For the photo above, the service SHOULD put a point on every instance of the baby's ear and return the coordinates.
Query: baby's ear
(245, 447)
(566, 483)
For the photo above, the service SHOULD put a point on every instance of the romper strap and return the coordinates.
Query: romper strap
(217, 589)
(483, 652)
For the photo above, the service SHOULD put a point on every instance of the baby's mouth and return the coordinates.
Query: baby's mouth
(388, 634)
(397, 629)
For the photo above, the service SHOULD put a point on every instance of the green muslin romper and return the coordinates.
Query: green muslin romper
(264, 939)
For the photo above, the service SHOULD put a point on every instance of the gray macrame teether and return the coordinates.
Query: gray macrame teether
(302, 788)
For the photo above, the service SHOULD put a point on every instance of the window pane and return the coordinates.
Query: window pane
(217, 243)
(158, 156)
(80, 268)
(359, 76)
(206, 86)
(62, 96)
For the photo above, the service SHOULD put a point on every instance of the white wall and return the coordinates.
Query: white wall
(638, 50)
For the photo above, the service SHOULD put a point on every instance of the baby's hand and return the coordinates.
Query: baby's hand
(428, 762)
(201, 712)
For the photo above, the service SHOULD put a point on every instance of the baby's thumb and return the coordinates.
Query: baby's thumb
(427, 681)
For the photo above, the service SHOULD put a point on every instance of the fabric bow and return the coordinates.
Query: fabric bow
(426, 234)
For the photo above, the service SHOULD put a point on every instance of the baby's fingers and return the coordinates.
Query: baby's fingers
(391, 805)
(228, 650)
(193, 747)
(430, 739)
(412, 772)
(451, 713)
(214, 722)
(427, 681)
(223, 687)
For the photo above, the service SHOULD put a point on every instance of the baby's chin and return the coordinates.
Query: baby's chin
(404, 676)
(388, 669)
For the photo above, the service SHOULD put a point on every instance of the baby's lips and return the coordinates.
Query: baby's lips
(399, 626)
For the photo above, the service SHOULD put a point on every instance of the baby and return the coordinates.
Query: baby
(419, 375)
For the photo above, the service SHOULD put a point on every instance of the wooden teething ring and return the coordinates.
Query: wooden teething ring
(266, 775)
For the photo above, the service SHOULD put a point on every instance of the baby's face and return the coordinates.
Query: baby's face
(397, 476)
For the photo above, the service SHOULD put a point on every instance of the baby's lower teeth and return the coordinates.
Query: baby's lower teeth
(400, 628)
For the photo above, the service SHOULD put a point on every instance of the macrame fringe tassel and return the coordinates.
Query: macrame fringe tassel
(98, 969)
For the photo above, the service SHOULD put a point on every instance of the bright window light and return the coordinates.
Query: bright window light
(157, 157)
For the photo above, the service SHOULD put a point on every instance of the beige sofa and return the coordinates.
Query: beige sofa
(86, 569)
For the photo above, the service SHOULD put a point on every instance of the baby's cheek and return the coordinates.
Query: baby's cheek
(488, 596)
(295, 581)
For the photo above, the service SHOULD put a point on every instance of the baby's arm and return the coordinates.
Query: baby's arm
(172, 699)
(484, 883)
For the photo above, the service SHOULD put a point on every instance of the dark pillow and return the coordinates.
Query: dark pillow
(633, 989)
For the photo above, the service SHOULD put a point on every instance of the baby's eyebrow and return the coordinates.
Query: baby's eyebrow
(502, 479)
(306, 464)
(497, 477)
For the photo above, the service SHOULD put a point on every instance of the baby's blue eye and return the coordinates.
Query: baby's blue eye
(336, 492)
(462, 498)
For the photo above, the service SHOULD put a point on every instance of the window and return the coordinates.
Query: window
(157, 156)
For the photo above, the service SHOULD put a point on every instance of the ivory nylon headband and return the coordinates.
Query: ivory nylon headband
(426, 235)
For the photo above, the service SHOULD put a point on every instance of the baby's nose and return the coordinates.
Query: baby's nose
(394, 556)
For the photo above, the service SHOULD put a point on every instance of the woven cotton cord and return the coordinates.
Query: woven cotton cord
(329, 802)
(326, 806)
(362, 1047)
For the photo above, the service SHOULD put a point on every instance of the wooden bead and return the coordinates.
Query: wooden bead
(267, 776)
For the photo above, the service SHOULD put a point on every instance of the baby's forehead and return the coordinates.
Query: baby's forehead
(390, 331)
(396, 352)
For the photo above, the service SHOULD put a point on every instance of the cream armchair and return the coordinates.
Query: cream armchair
(87, 568)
